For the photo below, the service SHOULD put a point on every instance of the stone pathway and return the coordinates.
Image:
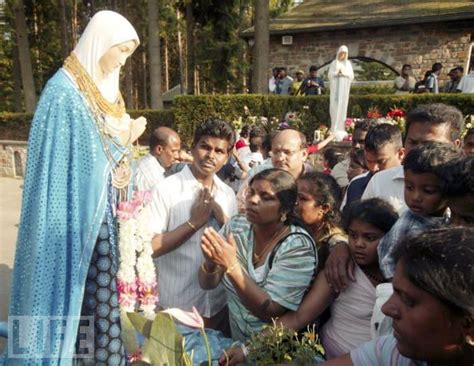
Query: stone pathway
(10, 203)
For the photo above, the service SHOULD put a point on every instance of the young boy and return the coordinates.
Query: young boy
(458, 187)
(383, 150)
(424, 197)
(183, 205)
(432, 122)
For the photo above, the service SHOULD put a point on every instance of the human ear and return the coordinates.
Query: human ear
(401, 154)
(158, 149)
(457, 142)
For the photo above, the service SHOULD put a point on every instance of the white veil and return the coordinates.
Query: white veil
(105, 30)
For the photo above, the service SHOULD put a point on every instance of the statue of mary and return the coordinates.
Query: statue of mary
(340, 78)
(79, 152)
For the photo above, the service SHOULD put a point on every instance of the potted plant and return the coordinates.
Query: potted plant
(277, 345)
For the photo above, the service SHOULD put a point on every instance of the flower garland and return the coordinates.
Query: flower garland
(136, 277)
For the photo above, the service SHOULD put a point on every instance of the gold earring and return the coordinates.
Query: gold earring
(470, 340)
(283, 217)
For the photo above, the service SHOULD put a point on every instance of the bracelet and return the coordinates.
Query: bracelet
(190, 224)
(232, 267)
(205, 270)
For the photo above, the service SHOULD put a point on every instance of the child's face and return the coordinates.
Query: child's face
(363, 241)
(423, 194)
(388, 156)
(308, 208)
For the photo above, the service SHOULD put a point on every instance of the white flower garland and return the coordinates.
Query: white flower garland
(136, 277)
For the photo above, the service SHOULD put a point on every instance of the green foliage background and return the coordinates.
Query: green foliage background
(189, 111)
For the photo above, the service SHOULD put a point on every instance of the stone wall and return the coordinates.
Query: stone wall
(418, 45)
(12, 158)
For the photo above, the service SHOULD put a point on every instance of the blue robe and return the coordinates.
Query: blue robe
(64, 203)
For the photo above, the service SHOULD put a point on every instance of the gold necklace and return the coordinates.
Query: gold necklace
(90, 90)
(277, 236)
(100, 107)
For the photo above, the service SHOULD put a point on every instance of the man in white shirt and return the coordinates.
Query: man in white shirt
(273, 80)
(466, 85)
(183, 205)
(433, 122)
(165, 145)
(288, 153)
(432, 84)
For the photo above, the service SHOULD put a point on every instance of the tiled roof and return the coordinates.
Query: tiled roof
(320, 15)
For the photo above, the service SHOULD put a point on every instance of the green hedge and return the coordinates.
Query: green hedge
(192, 110)
(188, 111)
(16, 126)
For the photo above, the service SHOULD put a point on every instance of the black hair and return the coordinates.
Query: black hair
(256, 131)
(218, 128)
(363, 125)
(381, 135)
(256, 143)
(159, 137)
(469, 132)
(267, 142)
(332, 156)
(457, 68)
(282, 68)
(275, 69)
(244, 132)
(437, 114)
(313, 68)
(436, 66)
(406, 65)
(441, 262)
(374, 211)
(426, 157)
(284, 185)
(358, 156)
(457, 177)
(325, 191)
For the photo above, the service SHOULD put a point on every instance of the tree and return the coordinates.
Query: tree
(261, 47)
(24, 56)
(154, 55)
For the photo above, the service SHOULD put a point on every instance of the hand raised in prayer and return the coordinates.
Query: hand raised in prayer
(218, 212)
(202, 208)
(137, 128)
(219, 250)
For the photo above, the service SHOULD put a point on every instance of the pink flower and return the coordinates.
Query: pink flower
(135, 356)
(191, 319)
(127, 210)
(147, 293)
(349, 122)
(141, 197)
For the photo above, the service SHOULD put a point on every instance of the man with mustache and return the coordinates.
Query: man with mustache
(288, 153)
(183, 205)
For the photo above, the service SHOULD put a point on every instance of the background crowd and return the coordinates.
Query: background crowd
(406, 82)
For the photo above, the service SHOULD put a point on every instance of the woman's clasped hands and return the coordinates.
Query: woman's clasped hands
(219, 251)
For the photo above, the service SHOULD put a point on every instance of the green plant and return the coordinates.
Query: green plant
(276, 345)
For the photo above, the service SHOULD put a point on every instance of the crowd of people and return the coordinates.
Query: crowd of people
(376, 249)
(299, 243)
(406, 82)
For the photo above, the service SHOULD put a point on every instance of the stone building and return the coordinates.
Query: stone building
(392, 32)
